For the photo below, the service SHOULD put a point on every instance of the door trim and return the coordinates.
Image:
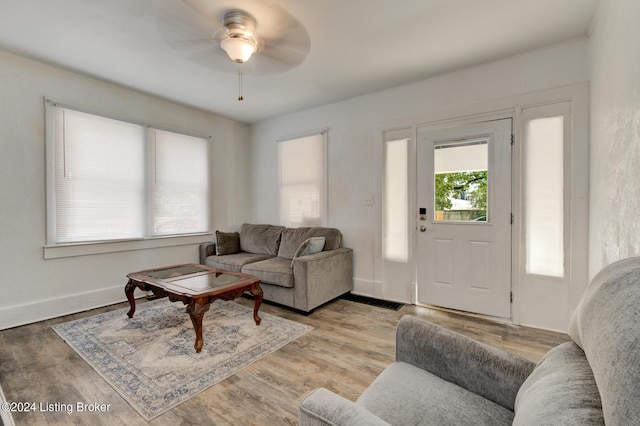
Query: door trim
(508, 107)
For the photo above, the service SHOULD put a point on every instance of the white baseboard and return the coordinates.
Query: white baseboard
(376, 290)
(363, 287)
(40, 310)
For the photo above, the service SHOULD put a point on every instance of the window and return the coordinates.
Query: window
(396, 198)
(544, 138)
(302, 181)
(114, 180)
(461, 181)
(179, 194)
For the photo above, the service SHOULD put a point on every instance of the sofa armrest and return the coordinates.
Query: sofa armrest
(323, 407)
(494, 374)
(206, 250)
(342, 251)
(321, 277)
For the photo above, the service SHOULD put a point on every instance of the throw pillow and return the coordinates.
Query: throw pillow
(309, 246)
(227, 243)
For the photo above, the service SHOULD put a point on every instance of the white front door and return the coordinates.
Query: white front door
(464, 223)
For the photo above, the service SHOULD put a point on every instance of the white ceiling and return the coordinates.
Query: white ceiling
(356, 46)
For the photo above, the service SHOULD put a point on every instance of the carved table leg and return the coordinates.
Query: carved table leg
(128, 290)
(256, 291)
(196, 313)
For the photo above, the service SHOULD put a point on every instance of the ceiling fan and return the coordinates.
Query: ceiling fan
(252, 36)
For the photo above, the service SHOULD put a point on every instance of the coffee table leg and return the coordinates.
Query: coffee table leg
(256, 291)
(196, 313)
(128, 290)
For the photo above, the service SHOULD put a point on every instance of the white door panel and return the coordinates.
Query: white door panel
(464, 263)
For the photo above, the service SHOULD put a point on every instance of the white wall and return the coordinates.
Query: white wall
(615, 133)
(352, 139)
(33, 288)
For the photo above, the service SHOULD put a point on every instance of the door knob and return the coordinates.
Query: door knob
(423, 228)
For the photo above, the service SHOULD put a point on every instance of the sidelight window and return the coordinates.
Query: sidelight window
(544, 194)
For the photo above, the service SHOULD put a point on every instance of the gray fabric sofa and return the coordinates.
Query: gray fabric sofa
(443, 378)
(275, 254)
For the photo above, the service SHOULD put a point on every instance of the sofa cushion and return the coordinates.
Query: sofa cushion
(234, 262)
(227, 243)
(309, 246)
(407, 395)
(605, 325)
(293, 237)
(276, 271)
(260, 239)
(560, 391)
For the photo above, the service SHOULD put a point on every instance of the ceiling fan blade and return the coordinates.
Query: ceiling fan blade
(183, 23)
(275, 21)
(187, 45)
(204, 8)
(287, 57)
(191, 34)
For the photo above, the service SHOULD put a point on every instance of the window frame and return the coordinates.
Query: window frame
(52, 249)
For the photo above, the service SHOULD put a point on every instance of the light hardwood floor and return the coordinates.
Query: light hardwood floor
(350, 345)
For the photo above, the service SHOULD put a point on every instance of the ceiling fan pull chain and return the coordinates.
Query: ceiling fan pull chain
(240, 97)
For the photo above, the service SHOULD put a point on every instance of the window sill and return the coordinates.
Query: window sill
(86, 249)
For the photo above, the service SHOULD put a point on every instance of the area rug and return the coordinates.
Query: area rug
(150, 360)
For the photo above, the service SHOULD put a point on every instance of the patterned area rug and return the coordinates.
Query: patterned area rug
(150, 360)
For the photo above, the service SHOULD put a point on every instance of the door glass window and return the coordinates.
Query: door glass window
(461, 181)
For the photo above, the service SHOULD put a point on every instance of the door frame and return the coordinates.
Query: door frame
(577, 94)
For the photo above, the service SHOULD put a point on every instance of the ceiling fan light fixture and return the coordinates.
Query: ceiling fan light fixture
(239, 48)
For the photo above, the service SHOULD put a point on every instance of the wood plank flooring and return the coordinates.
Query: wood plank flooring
(350, 345)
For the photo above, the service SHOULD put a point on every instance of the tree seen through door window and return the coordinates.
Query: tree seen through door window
(462, 192)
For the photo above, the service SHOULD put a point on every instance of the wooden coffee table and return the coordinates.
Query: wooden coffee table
(197, 286)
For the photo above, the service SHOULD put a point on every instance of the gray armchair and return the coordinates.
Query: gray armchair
(437, 371)
(443, 378)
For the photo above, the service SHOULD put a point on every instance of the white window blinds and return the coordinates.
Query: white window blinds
(544, 195)
(302, 181)
(117, 180)
(180, 187)
(100, 184)
(396, 199)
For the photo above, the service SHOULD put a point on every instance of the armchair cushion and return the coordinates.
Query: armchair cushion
(323, 407)
(403, 385)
